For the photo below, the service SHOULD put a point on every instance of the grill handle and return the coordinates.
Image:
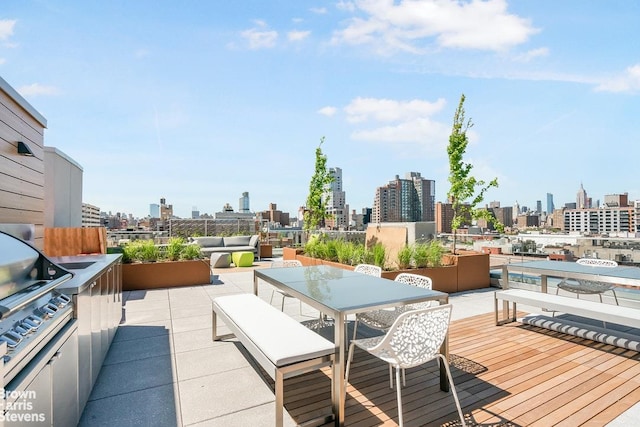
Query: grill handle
(14, 306)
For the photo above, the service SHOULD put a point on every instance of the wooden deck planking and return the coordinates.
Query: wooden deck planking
(512, 375)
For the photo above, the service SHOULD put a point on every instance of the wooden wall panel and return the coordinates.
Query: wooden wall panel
(16, 185)
(66, 241)
(21, 177)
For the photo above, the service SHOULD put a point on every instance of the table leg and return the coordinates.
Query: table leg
(255, 284)
(339, 384)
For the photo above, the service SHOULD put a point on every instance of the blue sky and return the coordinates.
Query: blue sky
(199, 101)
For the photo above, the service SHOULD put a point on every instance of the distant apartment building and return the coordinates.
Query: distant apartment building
(557, 219)
(528, 220)
(274, 216)
(444, 216)
(166, 211)
(503, 215)
(90, 216)
(195, 213)
(244, 203)
(603, 220)
(616, 200)
(337, 209)
(411, 199)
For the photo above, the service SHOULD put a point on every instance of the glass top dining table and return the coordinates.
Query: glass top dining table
(338, 292)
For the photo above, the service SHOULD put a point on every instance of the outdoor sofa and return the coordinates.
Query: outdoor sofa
(230, 244)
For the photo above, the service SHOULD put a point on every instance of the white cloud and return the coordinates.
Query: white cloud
(36, 89)
(298, 35)
(413, 25)
(6, 28)
(398, 121)
(532, 54)
(2, 61)
(629, 81)
(346, 5)
(260, 36)
(319, 10)
(388, 110)
(328, 111)
(420, 130)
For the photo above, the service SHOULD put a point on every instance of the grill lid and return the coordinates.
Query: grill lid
(21, 267)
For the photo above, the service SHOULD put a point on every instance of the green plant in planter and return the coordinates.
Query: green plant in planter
(190, 252)
(149, 252)
(378, 255)
(421, 255)
(174, 248)
(404, 257)
(434, 253)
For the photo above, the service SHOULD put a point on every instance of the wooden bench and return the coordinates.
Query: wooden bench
(607, 313)
(281, 345)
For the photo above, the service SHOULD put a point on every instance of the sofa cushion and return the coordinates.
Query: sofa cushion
(237, 241)
(209, 241)
(253, 242)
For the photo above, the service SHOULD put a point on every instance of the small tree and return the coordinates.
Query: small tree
(466, 192)
(315, 213)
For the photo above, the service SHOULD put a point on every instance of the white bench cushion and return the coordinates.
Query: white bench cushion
(606, 312)
(281, 338)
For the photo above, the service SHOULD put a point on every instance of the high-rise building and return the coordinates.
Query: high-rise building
(539, 206)
(516, 211)
(90, 215)
(581, 198)
(411, 199)
(195, 213)
(244, 203)
(166, 211)
(154, 210)
(550, 206)
(337, 209)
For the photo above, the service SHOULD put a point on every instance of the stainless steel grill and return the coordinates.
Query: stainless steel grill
(32, 311)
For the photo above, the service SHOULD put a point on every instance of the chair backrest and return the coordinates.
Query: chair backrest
(416, 336)
(597, 262)
(415, 280)
(371, 270)
(286, 263)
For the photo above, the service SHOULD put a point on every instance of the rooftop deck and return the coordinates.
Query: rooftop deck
(163, 369)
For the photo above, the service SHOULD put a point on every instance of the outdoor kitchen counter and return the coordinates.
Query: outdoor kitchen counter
(84, 276)
(96, 290)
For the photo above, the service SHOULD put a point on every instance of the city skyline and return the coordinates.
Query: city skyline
(203, 101)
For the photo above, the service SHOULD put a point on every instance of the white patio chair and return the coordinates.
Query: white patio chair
(371, 270)
(287, 263)
(413, 339)
(589, 287)
(383, 319)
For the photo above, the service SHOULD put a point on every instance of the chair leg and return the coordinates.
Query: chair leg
(453, 388)
(399, 394)
(355, 328)
(349, 357)
(272, 294)
(615, 296)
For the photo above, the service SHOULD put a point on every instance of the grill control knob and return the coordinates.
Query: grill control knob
(33, 321)
(49, 309)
